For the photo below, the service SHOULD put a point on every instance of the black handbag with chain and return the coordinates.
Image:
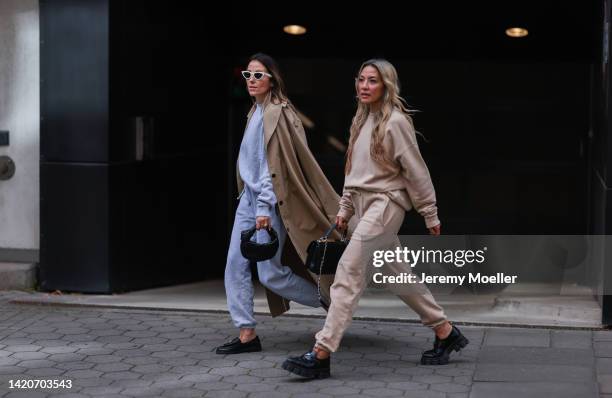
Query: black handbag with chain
(324, 254)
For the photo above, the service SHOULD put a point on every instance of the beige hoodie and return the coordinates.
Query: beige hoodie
(409, 185)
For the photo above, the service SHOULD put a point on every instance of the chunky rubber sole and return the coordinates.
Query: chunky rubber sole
(253, 349)
(461, 342)
(304, 372)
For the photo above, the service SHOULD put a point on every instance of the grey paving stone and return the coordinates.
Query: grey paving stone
(601, 348)
(140, 333)
(465, 380)
(103, 358)
(225, 394)
(121, 375)
(82, 374)
(571, 338)
(604, 366)
(90, 382)
(36, 363)
(66, 357)
(159, 347)
(605, 383)
(602, 335)
(182, 393)
(131, 353)
(536, 355)
(152, 368)
(45, 372)
(432, 379)
(296, 386)
(363, 382)
(454, 372)
(128, 383)
(268, 372)
(231, 371)
(112, 367)
(149, 340)
(22, 347)
(94, 351)
(214, 385)
(58, 350)
(203, 377)
(113, 339)
(25, 394)
(172, 384)
(525, 372)
(6, 361)
(534, 390)
(101, 391)
(382, 392)
(458, 395)
(145, 360)
(142, 392)
(256, 364)
(254, 387)
(9, 370)
(517, 337)
(417, 370)
(341, 390)
(426, 394)
(18, 341)
(406, 385)
(28, 355)
(269, 394)
(177, 361)
(189, 369)
(76, 365)
(450, 387)
(169, 354)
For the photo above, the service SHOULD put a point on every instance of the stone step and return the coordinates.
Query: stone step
(15, 276)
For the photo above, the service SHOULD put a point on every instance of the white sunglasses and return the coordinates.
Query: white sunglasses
(257, 75)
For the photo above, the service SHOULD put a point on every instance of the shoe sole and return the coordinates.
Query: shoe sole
(309, 373)
(255, 349)
(461, 342)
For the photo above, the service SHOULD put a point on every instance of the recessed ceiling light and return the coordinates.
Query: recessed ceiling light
(517, 32)
(294, 29)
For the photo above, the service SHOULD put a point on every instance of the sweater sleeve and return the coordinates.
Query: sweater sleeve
(346, 210)
(413, 168)
(266, 200)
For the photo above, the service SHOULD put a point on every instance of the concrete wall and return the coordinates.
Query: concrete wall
(20, 114)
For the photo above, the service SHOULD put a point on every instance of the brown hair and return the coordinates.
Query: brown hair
(277, 89)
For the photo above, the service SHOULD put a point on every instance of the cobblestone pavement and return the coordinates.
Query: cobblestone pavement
(133, 353)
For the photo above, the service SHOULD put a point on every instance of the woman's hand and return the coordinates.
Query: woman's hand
(341, 223)
(262, 222)
(435, 231)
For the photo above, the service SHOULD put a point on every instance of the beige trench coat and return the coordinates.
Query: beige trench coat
(306, 201)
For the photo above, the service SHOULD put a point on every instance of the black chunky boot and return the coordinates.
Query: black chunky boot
(237, 347)
(308, 365)
(442, 348)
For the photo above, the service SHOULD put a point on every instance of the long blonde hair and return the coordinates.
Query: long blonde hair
(391, 100)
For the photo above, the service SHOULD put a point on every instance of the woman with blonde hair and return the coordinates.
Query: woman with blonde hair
(385, 176)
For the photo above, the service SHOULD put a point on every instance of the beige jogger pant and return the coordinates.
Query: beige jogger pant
(380, 221)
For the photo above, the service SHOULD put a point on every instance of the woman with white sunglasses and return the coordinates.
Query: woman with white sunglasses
(281, 187)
